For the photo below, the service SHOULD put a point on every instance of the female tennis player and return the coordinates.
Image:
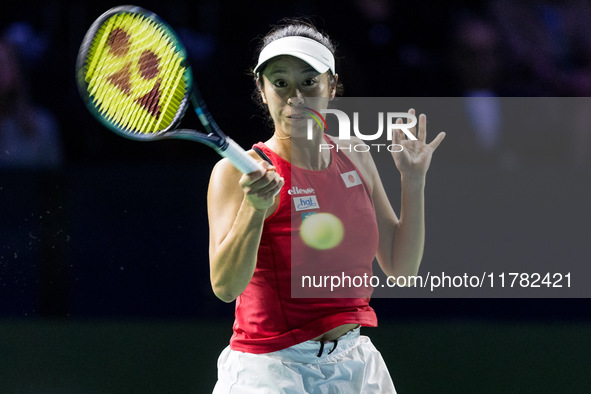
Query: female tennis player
(282, 344)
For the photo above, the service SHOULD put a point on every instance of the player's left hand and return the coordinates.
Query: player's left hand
(415, 158)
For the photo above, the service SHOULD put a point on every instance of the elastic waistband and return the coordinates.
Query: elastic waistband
(312, 352)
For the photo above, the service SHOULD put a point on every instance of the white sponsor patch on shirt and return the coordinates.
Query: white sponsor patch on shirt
(351, 178)
(296, 190)
(306, 202)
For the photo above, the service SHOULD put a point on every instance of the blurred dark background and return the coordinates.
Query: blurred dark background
(103, 241)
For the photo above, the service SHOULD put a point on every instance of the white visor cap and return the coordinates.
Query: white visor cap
(311, 51)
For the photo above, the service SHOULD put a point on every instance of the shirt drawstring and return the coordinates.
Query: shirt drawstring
(336, 342)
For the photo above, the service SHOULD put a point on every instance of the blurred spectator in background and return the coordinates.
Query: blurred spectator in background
(29, 135)
(509, 116)
(477, 65)
(479, 118)
(549, 44)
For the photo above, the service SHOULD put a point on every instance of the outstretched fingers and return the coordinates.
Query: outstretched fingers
(437, 140)
(422, 135)
(413, 129)
(419, 131)
(398, 135)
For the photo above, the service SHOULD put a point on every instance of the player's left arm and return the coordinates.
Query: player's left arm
(387, 220)
(402, 241)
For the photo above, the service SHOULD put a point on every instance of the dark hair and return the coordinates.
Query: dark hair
(289, 27)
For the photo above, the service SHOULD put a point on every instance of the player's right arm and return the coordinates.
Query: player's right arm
(237, 207)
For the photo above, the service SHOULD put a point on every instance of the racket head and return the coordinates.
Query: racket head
(133, 73)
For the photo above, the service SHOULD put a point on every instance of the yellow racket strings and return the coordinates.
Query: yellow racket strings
(135, 74)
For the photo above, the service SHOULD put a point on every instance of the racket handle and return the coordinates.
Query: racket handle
(239, 158)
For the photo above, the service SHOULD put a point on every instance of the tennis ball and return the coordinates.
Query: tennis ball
(322, 231)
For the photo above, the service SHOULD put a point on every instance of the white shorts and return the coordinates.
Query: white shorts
(355, 366)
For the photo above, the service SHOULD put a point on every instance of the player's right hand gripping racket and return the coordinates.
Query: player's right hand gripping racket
(134, 76)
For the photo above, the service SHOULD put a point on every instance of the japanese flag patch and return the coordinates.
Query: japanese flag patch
(351, 178)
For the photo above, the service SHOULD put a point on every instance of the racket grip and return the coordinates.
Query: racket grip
(239, 158)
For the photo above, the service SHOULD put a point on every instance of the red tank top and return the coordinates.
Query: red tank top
(267, 317)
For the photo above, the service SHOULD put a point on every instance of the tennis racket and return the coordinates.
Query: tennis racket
(134, 76)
